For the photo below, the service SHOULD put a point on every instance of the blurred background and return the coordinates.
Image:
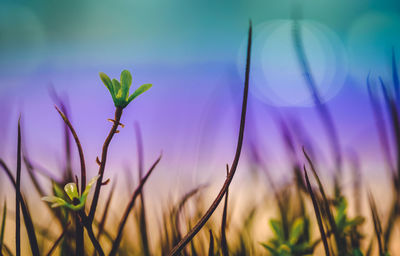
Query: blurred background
(193, 52)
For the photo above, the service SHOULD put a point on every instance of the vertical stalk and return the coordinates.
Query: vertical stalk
(117, 118)
(17, 192)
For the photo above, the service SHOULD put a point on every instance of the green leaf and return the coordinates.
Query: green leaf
(277, 229)
(296, 230)
(126, 81)
(355, 221)
(56, 201)
(117, 89)
(270, 249)
(71, 190)
(139, 91)
(88, 187)
(107, 82)
(57, 190)
(3, 224)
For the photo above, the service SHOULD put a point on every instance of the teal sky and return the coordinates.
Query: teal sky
(82, 34)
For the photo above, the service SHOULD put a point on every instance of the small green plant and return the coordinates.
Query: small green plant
(75, 201)
(295, 243)
(119, 90)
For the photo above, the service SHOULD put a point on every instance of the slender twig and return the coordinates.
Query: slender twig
(79, 238)
(78, 145)
(18, 191)
(178, 248)
(53, 248)
(117, 118)
(317, 213)
(92, 237)
(129, 207)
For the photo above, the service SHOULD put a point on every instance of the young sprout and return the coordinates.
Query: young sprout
(120, 89)
(77, 201)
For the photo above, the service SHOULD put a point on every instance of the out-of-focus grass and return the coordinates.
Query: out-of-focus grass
(307, 214)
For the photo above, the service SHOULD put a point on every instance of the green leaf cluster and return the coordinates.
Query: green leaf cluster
(119, 90)
(294, 243)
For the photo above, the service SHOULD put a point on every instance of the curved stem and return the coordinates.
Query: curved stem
(178, 248)
(79, 146)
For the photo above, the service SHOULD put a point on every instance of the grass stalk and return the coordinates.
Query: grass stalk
(57, 242)
(25, 212)
(129, 207)
(317, 213)
(211, 246)
(17, 192)
(189, 236)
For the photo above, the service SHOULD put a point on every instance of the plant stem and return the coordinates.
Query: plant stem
(117, 118)
(79, 242)
(17, 192)
(79, 146)
(178, 248)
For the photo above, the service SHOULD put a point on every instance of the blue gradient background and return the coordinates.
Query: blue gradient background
(191, 52)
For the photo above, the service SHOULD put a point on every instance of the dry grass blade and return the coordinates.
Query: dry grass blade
(142, 215)
(341, 243)
(129, 207)
(323, 111)
(178, 248)
(224, 243)
(3, 225)
(380, 126)
(17, 192)
(25, 213)
(394, 115)
(211, 246)
(317, 213)
(7, 249)
(377, 223)
(54, 246)
(178, 211)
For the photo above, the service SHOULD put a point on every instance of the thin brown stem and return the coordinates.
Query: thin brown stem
(17, 192)
(224, 242)
(79, 146)
(178, 248)
(117, 118)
